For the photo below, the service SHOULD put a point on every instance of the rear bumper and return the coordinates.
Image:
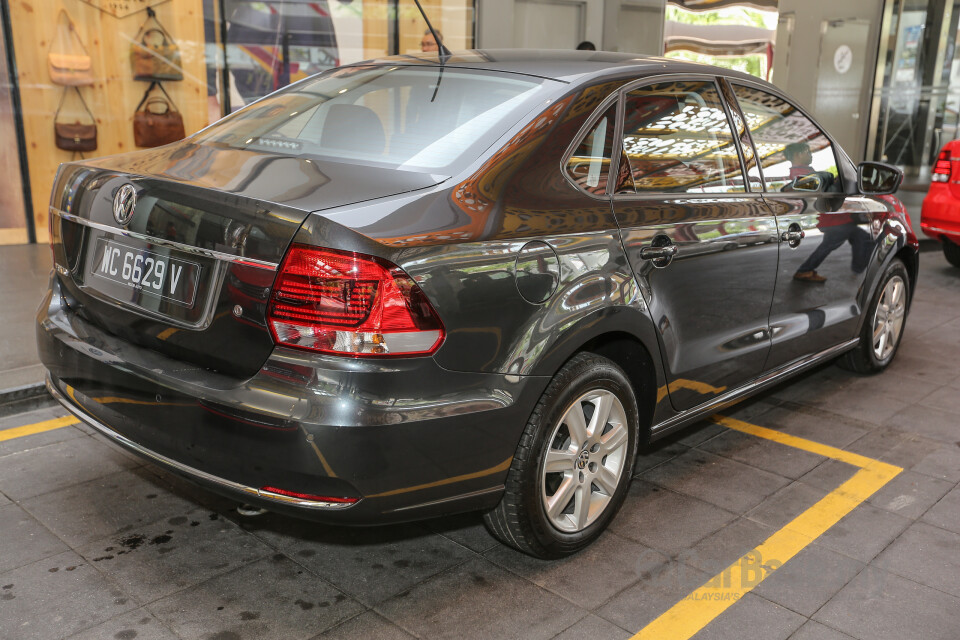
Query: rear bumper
(940, 214)
(406, 438)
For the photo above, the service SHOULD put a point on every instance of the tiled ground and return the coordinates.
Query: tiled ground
(94, 544)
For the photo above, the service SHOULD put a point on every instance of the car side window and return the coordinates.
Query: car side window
(589, 164)
(677, 139)
(794, 153)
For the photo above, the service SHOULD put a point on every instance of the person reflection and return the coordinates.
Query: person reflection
(428, 42)
(799, 156)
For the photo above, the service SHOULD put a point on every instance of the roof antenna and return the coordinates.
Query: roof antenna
(444, 52)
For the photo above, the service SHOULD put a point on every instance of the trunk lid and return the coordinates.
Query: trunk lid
(190, 274)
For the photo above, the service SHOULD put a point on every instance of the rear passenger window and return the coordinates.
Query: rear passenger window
(677, 139)
(793, 152)
(589, 164)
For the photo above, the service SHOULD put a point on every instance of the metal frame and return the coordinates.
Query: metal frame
(11, 63)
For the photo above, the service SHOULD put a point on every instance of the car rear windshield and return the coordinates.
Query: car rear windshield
(413, 118)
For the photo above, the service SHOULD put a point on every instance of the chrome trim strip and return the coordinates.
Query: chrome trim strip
(757, 384)
(78, 411)
(208, 253)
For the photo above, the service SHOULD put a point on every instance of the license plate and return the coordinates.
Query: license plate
(147, 272)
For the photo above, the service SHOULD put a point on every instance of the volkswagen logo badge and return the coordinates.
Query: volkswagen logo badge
(124, 203)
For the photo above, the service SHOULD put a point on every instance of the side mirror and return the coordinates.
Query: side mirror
(878, 179)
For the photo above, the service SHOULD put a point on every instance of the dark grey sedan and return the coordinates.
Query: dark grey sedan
(408, 288)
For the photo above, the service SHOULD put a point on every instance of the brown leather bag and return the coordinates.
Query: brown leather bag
(156, 122)
(70, 69)
(75, 136)
(153, 53)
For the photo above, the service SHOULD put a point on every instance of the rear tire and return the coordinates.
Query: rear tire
(883, 327)
(951, 252)
(574, 463)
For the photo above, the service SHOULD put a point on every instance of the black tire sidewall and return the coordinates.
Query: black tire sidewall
(596, 373)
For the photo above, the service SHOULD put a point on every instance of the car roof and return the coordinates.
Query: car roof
(558, 64)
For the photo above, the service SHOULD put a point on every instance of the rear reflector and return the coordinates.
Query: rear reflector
(309, 497)
(350, 304)
(942, 168)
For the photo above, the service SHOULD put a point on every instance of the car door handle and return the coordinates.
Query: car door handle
(793, 235)
(659, 253)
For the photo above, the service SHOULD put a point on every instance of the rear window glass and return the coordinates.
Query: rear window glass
(413, 118)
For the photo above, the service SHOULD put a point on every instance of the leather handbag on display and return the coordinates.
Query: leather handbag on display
(70, 69)
(153, 53)
(75, 136)
(156, 122)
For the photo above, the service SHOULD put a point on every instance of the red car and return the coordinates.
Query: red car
(940, 215)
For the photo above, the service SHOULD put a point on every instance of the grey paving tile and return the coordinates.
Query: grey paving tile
(864, 532)
(370, 564)
(786, 504)
(944, 463)
(23, 540)
(480, 597)
(271, 598)
(932, 423)
(725, 483)
(762, 453)
(882, 606)
(911, 451)
(879, 443)
(589, 578)
(946, 513)
(645, 601)
(753, 410)
(656, 454)
(815, 631)
(910, 494)
(4, 500)
(933, 370)
(763, 618)
(466, 529)
(64, 464)
(367, 626)
(925, 554)
(809, 579)
(697, 433)
(815, 424)
(829, 475)
(36, 440)
(56, 597)
(945, 399)
(866, 407)
(665, 520)
(718, 551)
(153, 561)
(84, 513)
(594, 627)
(139, 624)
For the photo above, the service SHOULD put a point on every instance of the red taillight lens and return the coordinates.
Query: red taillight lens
(942, 168)
(350, 304)
(308, 496)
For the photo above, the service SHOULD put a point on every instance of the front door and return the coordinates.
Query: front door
(826, 238)
(702, 246)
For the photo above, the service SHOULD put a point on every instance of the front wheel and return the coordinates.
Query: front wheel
(884, 324)
(574, 463)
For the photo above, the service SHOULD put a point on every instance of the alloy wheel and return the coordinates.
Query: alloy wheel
(584, 461)
(888, 318)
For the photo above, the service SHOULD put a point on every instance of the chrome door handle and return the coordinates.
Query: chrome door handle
(659, 253)
(793, 235)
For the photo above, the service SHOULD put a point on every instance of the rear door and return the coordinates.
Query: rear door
(826, 237)
(701, 242)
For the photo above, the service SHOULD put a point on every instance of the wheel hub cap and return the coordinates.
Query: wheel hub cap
(888, 318)
(583, 459)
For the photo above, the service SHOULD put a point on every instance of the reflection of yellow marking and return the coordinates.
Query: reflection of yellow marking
(503, 466)
(166, 333)
(692, 385)
(115, 400)
(698, 609)
(316, 449)
(37, 427)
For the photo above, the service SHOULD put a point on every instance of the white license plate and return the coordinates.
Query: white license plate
(147, 272)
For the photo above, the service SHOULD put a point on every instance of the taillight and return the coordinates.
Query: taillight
(942, 169)
(350, 304)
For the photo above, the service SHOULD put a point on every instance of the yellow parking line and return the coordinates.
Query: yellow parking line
(698, 609)
(38, 427)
